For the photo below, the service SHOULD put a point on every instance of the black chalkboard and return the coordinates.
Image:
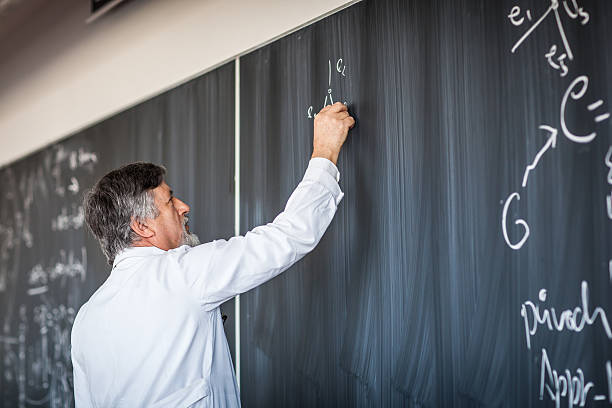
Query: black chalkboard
(477, 121)
(50, 264)
(414, 295)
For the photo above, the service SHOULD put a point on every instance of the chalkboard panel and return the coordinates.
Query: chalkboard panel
(426, 289)
(50, 265)
(469, 263)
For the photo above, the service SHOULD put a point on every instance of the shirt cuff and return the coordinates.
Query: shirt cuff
(325, 172)
(327, 165)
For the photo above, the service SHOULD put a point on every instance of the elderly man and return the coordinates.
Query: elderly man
(152, 334)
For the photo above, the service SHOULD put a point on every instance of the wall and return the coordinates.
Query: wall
(59, 75)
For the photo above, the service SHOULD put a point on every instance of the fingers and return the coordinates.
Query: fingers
(346, 119)
(342, 115)
(325, 109)
(350, 121)
(336, 107)
(339, 111)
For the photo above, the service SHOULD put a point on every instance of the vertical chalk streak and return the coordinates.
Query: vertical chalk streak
(237, 202)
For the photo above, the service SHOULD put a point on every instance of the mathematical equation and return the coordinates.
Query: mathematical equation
(576, 90)
(35, 338)
(37, 359)
(337, 70)
(65, 221)
(68, 266)
(563, 384)
(556, 59)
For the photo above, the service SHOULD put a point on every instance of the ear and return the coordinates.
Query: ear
(141, 229)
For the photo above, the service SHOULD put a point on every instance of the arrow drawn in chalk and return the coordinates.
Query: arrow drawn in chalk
(550, 144)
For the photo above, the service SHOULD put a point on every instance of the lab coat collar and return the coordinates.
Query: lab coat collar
(130, 252)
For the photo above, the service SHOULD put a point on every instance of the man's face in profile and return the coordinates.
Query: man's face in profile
(170, 226)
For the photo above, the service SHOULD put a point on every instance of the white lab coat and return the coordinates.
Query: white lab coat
(152, 334)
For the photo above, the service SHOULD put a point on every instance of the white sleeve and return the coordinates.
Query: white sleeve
(82, 399)
(222, 269)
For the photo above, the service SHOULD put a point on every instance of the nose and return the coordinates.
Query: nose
(180, 206)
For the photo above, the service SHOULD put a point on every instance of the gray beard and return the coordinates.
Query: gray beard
(189, 239)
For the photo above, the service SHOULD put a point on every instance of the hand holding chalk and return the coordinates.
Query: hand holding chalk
(331, 126)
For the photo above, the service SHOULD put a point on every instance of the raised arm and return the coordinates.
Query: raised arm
(221, 269)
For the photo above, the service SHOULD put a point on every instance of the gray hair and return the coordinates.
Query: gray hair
(120, 196)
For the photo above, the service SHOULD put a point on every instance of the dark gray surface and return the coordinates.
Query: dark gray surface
(413, 298)
(190, 130)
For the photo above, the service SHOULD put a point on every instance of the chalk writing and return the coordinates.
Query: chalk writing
(573, 93)
(608, 162)
(65, 221)
(521, 222)
(557, 62)
(46, 368)
(568, 385)
(19, 190)
(333, 70)
(516, 17)
(573, 387)
(35, 365)
(582, 80)
(565, 384)
(570, 319)
(68, 266)
(73, 187)
(572, 10)
(75, 159)
(550, 144)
